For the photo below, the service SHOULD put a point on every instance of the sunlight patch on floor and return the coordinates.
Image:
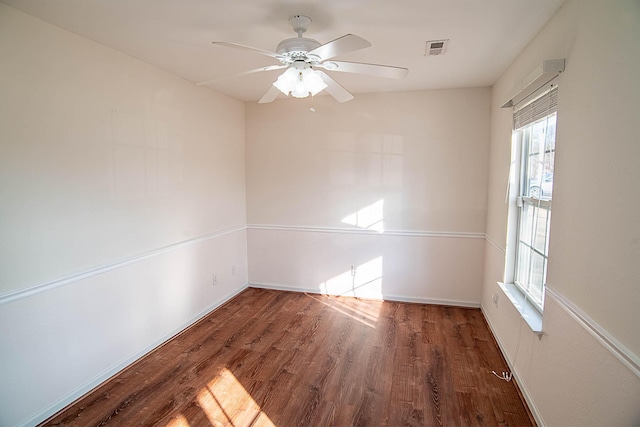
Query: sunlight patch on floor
(362, 281)
(226, 402)
(179, 421)
(367, 308)
(367, 321)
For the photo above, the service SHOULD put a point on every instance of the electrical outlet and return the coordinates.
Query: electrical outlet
(494, 298)
(214, 282)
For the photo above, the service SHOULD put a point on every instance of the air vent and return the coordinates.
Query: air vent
(436, 47)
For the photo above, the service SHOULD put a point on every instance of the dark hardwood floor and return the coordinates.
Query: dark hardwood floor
(278, 358)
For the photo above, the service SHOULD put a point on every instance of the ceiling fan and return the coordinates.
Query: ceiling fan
(304, 58)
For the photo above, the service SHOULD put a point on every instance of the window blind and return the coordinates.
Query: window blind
(537, 109)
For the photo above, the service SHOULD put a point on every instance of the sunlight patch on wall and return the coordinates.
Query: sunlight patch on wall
(226, 402)
(370, 217)
(364, 281)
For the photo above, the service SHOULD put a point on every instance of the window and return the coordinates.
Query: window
(531, 193)
(534, 206)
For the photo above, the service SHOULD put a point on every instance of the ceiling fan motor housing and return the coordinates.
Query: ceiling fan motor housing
(296, 48)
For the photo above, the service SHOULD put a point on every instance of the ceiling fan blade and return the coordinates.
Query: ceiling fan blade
(345, 44)
(335, 89)
(244, 73)
(249, 48)
(368, 69)
(270, 96)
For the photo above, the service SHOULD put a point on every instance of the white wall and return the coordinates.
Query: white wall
(411, 163)
(569, 376)
(122, 193)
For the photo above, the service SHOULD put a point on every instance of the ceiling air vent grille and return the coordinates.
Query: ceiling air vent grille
(436, 47)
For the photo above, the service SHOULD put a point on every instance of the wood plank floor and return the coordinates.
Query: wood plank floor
(273, 358)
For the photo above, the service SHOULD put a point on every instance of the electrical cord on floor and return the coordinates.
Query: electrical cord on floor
(505, 376)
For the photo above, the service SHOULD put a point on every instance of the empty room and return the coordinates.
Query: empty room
(267, 213)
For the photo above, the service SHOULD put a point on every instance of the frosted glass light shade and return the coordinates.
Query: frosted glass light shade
(313, 81)
(300, 82)
(286, 81)
(299, 89)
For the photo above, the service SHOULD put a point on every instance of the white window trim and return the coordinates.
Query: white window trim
(529, 311)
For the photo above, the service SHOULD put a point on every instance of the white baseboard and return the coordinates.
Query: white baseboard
(386, 297)
(113, 370)
(523, 388)
(436, 301)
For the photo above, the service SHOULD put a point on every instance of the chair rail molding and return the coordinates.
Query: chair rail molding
(100, 269)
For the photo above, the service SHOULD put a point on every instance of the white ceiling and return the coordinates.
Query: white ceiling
(175, 35)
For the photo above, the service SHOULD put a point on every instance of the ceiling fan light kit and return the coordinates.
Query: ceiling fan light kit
(301, 55)
(300, 81)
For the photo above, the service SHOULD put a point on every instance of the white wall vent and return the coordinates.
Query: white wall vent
(436, 47)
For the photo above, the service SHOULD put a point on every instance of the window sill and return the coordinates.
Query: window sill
(527, 311)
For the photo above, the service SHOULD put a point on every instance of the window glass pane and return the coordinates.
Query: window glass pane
(522, 271)
(539, 150)
(536, 277)
(546, 187)
(526, 223)
(541, 224)
(535, 159)
(551, 132)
